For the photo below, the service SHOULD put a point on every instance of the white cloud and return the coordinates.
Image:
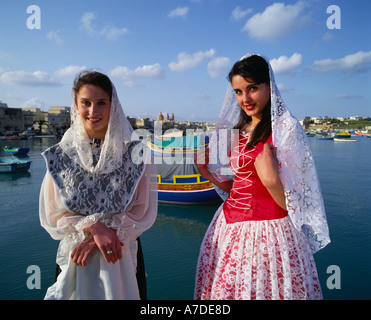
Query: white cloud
(153, 71)
(238, 13)
(28, 79)
(69, 71)
(187, 61)
(218, 66)
(285, 64)
(353, 63)
(86, 22)
(34, 103)
(178, 12)
(54, 36)
(112, 33)
(109, 32)
(276, 21)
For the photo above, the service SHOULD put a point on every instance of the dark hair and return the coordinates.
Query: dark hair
(94, 78)
(256, 68)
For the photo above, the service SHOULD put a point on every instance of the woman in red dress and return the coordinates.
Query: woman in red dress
(261, 241)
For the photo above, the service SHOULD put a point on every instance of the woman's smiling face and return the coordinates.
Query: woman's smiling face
(94, 106)
(252, 97)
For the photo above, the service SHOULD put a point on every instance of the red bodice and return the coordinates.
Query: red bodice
(249, 199)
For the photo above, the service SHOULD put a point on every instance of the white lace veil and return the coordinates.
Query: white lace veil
(77, 145)
(297, 169)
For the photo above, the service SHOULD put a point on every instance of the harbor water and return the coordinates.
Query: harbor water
(171, 246)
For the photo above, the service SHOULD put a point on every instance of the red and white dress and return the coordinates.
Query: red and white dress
(251, 249)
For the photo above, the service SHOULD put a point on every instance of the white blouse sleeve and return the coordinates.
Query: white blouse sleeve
(54, 216)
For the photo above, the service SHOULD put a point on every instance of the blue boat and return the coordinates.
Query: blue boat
(16, 151)
(186, 189)
(13, 165)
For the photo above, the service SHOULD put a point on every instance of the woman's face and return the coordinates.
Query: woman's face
(94, 106)
(252, 97)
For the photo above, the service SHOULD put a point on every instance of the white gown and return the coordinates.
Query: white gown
(98, 279)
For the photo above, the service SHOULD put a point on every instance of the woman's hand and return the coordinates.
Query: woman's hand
(83, 252)
(201, 159)
(266, 164)
(107, 241)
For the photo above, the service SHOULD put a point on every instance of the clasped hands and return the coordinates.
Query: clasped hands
(103, 238)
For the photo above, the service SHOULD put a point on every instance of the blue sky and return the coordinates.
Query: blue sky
(173, 56)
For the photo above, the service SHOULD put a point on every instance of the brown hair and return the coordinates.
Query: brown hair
(256, 68)
(94, 78)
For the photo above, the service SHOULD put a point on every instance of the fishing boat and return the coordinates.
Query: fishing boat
(186, 189)
(13, 165)
(16, 151)
(343, 137)
(178, 179)
(344, 140)
(310, 134)
(324, 136)
(362, 133)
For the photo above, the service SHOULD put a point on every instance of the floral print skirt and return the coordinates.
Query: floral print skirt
(268, 259)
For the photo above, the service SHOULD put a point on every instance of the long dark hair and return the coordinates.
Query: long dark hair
(256, 68)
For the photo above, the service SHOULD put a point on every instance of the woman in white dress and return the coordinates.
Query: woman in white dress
(98, 196)
(261, 241)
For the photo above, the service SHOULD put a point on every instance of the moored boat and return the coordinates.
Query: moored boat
(362, 133)
(324, 136)
(344, 137)
(13, 165)
(178, 179)
(344, 140)
(186, 189)
(16, 151)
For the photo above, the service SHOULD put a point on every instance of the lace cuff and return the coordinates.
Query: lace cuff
(75, 238)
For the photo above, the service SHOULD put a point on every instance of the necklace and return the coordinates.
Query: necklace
(96, 144)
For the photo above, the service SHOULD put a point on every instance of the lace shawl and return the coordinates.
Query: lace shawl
(298, 173)
(86, 193)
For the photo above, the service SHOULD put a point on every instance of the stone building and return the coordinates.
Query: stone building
(11, 119)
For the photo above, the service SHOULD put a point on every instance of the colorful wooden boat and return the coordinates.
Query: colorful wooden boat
(362, 133)
(13, 165)
(16, 151)
(186, 189)
(178, 179)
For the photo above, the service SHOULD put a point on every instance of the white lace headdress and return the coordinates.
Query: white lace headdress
(297, 169)
(77, 145)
